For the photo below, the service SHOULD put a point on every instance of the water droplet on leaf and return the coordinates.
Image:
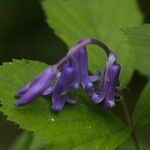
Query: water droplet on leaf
(53, 119)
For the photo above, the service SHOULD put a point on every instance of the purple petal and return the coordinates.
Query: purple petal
(109, 104)
(107, 87)
(79, 62)
(64, 83)
(23, 90)
(111, 61)
(110, 90)
(58, 102)
(95, 77)
(48, 91)
(38, 86)
(74, 86)
(67, 77)
(87, 86)
(96, 98)
(71, 101)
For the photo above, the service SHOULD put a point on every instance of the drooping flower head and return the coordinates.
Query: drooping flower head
(107, 90)
(71, 72)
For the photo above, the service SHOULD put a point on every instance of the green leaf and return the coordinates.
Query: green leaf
(27, 141)
(143, 140)
(139, 42)
(22, 142)
(79, 126)
(130, 146)
(141, 115)
(39, 143)
(101, 19)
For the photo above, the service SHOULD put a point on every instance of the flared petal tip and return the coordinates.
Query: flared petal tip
(48, 91)
(71, 101)
(21, 102)
(18, 104)
(95, 77)
(18, 94)
(109, 104)
(96, 98)
(88, 86)
(56, 108)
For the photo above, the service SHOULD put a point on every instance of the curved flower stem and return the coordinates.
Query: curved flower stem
(130, 124)
(83, 43)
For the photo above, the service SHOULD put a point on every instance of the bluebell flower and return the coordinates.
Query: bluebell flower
(107, 90)
(71, 72)
(80, 64)
(63, 85)
(74, 72)
(35, 88)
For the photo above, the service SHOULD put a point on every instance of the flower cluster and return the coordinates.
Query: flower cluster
(72, 72)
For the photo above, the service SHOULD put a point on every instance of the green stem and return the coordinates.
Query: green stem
(130, 124)
(83, 43)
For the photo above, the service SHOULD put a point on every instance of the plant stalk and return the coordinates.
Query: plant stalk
(130, 124)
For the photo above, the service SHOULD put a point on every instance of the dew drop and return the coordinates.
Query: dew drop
(52, 119)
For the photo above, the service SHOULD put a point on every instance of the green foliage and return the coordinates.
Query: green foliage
(79, 126)
(130, 146)
(139, 41)
(143, 139)
(101, 19)
(27, 141)
(23, 33)
(22, 142)
(141, 114)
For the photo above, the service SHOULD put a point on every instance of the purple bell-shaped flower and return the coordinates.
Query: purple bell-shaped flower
(107, 89)
(35, 88)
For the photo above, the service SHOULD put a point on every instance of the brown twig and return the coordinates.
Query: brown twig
(130, 124)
